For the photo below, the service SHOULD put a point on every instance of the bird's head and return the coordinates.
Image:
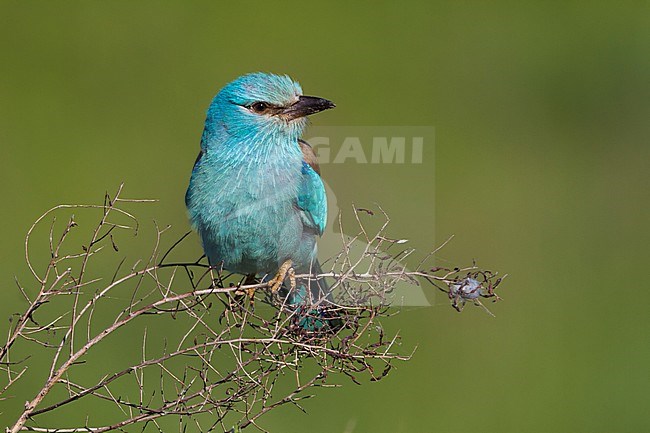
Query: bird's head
(264, 103)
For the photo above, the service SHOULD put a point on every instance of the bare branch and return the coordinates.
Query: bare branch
(236, 340)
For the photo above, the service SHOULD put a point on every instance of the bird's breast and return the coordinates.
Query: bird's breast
(245, 213)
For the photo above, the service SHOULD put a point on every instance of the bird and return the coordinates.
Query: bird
(255, 194)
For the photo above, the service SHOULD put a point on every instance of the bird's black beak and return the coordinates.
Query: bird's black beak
(305, 106)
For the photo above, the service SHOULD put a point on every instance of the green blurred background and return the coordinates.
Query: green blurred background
(541, 112)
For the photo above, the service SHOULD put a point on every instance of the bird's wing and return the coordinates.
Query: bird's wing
(309, 156)
(312, 200)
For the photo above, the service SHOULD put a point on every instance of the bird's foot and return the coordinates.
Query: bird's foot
(250, 281)
(286, 269)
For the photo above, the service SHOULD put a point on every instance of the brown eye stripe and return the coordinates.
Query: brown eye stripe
(262, 107)
(259, 107)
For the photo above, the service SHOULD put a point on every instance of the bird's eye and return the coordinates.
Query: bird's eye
(259, 107)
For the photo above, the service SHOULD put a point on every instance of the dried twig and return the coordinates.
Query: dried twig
(232, 353)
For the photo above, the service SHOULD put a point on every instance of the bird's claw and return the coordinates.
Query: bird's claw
(249, 281)
(286, 269)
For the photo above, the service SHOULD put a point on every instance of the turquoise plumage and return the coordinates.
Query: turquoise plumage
(255, 195)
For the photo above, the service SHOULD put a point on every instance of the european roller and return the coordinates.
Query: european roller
(256, 197)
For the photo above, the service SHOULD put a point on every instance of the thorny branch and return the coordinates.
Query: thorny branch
(230, 355)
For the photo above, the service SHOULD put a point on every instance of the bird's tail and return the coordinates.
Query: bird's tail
(312, 291)
(314, 303)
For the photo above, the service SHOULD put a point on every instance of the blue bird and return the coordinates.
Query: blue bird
(255, 195)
